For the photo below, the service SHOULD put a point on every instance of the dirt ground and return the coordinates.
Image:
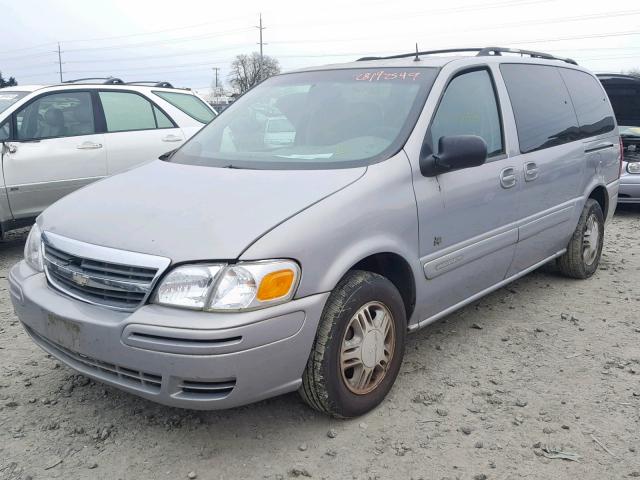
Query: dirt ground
(547, 367)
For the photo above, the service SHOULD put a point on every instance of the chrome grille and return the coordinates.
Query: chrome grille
(97, 280)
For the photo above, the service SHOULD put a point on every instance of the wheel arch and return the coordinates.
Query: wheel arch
(397, 270)
(599, 194)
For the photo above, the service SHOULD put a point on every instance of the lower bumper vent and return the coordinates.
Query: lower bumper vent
(206, 390)
(83, 363)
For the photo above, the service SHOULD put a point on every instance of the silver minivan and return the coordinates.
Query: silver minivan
(241, 268)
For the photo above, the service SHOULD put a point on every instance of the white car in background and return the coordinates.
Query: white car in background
(58, 138)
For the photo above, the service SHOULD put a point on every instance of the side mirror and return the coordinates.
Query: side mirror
(455, 153)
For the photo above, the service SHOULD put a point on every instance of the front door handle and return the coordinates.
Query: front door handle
(11, 147)
(530, 171)
(508, 177)
(89, 146)
(171, 138)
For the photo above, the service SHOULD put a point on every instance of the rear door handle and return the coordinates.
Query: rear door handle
(508, 177)
(530, 171)
(89, 146)
(171, 138)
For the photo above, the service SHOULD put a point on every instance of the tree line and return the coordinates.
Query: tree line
(10, 82)
(249, 70)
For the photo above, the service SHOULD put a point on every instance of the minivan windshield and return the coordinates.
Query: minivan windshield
(9, 98)
(315, 119)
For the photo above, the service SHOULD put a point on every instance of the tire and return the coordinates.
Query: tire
(582, 257)
(326, 385)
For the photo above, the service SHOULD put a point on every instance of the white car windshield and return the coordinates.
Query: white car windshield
(315, 119)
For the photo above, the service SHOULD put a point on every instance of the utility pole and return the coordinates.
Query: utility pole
(59, 62)
(215, 69)
(261, 28)
(261, 43)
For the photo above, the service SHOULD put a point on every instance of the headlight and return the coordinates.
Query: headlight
(33, 249)
(633, 167)
(244, 286)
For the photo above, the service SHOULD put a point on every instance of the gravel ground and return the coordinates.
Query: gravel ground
(545, 368)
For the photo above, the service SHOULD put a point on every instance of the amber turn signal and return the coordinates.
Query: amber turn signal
(275, 285)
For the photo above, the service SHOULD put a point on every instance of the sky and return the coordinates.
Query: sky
(181, 42)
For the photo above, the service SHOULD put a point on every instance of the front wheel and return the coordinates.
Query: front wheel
(585, 247)
(358, 349)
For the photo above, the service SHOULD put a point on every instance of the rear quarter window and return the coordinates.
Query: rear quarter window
(189, 104)
(590, 102)
(541, 104)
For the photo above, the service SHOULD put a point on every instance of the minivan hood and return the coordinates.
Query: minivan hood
(188, 213)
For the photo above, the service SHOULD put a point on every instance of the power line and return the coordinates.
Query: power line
(504, 3)
(205, 36)
(48, 44)
(499, 4)
(174, 29)
(162, 42)
(163, 55)
(114, 37)
(404, 15)
(583, 37)
(22, 57)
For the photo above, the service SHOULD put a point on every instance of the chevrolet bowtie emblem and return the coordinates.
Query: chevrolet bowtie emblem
(79, 279)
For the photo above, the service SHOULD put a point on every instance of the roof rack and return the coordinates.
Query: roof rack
(481, 52)
(153, 83)
(104, 80)
(622, 76)
(488, 51)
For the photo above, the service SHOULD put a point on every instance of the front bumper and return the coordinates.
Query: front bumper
(176, 357)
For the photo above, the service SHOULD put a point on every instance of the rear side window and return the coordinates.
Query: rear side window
(54, 115)
(189, 104)
(125, 111)
(590, 102)
(541, 104)
(161, 119)
(469, 107)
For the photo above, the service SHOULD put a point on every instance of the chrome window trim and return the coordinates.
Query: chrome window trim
(104, 254)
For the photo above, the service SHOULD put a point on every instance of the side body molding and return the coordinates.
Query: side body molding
(458, 255)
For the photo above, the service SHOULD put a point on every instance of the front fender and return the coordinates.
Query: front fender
(377, 214)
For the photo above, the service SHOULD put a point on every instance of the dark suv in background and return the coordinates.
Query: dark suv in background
(624, 94)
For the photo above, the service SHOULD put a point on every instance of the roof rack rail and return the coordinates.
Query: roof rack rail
(628, 76)
(426, 52)
(481, 52)
(489, 51)
(153, 83)
(104, 80)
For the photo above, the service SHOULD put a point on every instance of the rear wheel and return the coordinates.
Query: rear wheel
(359, 346)
(585, 247)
